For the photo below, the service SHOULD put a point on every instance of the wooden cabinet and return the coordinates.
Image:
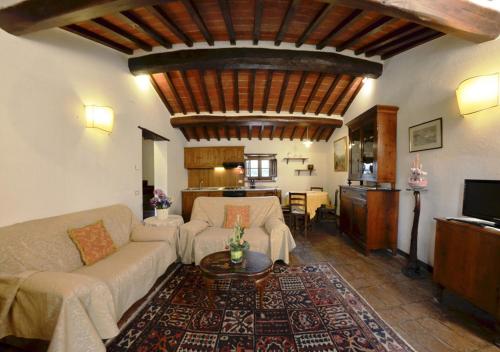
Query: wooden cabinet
(188, 201)
(370, 217)
(265, 193)
(466, 261)
(372, 145)
(210, 157)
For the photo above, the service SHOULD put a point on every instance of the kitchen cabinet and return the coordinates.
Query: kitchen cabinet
(265, 193)
(188, 199)
(210, 157)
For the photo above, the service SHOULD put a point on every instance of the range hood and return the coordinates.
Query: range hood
(233, 164)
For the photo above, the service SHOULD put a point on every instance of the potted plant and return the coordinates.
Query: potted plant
(161, 203)
(236, 243)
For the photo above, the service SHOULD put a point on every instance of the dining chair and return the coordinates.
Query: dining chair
(298, 210)
(317, 189)
(325, 211)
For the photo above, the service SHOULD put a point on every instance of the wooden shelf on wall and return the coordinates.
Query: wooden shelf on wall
(293, 159)
(298, 171)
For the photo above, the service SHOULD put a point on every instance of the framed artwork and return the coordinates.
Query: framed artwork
(340, 154)
(426, 136)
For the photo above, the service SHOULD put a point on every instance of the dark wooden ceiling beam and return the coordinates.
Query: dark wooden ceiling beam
(220, 90)
(296, 96)
(368, 30)
(329, 92)
(257, 22)
(254, 59)
(304, 133)
(251, 88)
(292, 8)
(282, 134)
(101, 22)
(261, 130)
(250, 131)
(161, 95)
(73, 28)
(267, 90)
(189, 89)
(136, 22)
(342, 26)
(205, 131)
(226, 132)
(236, 92)
(283, 89)
(411, 44)
(195, 15)
(317, 134)
(395, 34)
(162, 16)
(271, 134)
(174, 92)
(316, 86)
(341, 96)
(217, 134)
(353, 96)
(185, 134)
(421, 33)
(195, 133)
(228, 20)
(293, 133)
(204, 91)
(238, 132)
(320, 16)
(253, 120)
(329, 135)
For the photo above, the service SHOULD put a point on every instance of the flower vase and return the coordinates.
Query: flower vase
(162, 214)
(236, 256)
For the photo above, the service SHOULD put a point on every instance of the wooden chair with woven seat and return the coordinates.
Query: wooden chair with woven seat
(298, 210)
(317, 189)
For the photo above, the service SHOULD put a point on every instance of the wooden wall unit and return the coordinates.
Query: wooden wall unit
(370, 217)
(215, 178)
(210, 157)
(466, 261)
(188, 201)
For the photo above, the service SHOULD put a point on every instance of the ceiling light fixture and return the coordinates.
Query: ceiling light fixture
(307, 142)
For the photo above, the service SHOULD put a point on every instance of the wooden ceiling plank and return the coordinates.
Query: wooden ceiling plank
(389, 37)
(320, 16)
(371, 29)
(236, 92)
(161, 95)
(73, 28)
(258, 10)
(341, 96)
(342, 26)
(251, 88)
(171, 85)
(254, 59)
(329, 92)
(220, 90)
(165, 20)
(136, 22)
(329, 135)
(316, 86)
(296, 96)
(353, 96)
(228, 20)
(195, 15)
(267, 89)
(284, 86)
(183, 131)
(101, 22)
(292, 8)
(189, 89)
(293, 133)
(204, 91)
(421, 33)
(409, 45)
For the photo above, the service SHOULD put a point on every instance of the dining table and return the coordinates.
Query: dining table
(314, 200)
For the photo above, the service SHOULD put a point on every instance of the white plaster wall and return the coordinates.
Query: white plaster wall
(50, 163)
(319, 155)
(422, 83)
(148, 161)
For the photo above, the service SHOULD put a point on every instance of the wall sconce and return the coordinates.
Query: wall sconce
(101, 117)
(478, 93)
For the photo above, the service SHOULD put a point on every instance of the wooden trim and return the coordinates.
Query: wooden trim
(316, 86)
(332, 87)
(258, 10)
(342, 26)
(195, 15)
(292, 7)
(73, 28)
(204, 91)
(298, 91)
(320, 16)
(369, 30)
(283, 89)
(161, 95)
(254, 59)
(341, 96)
(174, 92)
(189, 89)
(136, 22)
(162, 16)
(220, 90)
(148, 134)
(101, 22)
(267, 89)
(228, 20)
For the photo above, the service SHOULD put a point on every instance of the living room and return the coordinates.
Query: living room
(53, 164)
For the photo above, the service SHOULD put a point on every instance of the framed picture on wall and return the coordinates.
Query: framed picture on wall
(340, 154)
(426, 136)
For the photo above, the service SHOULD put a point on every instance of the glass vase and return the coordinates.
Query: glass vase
(236, 255)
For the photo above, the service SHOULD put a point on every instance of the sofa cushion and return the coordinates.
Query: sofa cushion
(93, 241)
(132, 270)
(235, 214)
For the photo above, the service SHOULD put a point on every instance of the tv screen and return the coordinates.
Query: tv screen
(482, 199)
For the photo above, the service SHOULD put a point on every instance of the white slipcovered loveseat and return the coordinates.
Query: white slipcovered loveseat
(204, 233)
(47, 293)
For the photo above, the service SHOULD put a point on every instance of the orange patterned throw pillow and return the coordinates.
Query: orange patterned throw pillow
(93, 242)
(233, 212)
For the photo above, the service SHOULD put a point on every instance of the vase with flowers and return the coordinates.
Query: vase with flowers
(237, 245)
(161, 203)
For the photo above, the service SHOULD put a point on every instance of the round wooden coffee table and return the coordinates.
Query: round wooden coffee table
(255, 266)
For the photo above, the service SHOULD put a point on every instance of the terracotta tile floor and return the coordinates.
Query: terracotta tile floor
(407, 305)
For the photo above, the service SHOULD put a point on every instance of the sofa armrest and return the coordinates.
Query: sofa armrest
(275, 225)
(281, 241)
(193, 227)
(144, 233)
(188, 232)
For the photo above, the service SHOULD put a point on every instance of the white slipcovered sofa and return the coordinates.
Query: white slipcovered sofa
(204, 233)
(47, 293)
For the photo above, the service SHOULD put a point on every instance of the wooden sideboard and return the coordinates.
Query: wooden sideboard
(467, 262)
(370, 217)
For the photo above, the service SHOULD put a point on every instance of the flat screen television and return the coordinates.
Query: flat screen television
(482, 199)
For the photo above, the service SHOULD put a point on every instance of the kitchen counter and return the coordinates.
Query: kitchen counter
(218, 189)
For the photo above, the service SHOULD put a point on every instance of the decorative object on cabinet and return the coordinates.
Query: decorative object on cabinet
(340, 154)
(426, 136)
(372, 140)
(478, 93)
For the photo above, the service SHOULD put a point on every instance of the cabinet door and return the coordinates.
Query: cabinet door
(368, 151)
(345, 214)
(188, 201)
(359, 215)
(355, 162)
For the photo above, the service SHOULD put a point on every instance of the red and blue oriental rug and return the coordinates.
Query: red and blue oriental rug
(305, 308)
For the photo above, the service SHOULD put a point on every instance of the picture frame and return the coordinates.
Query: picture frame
(426, 136)
(340, 154)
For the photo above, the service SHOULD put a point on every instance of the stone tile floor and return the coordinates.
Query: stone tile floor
(407, 305)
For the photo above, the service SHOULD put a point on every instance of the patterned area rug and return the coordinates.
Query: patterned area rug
(305, 308)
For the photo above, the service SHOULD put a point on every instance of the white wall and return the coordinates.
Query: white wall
(422, 83)
(148, 161)
(49, 162)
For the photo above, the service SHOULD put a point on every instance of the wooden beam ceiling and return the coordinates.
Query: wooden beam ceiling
(254, 58)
